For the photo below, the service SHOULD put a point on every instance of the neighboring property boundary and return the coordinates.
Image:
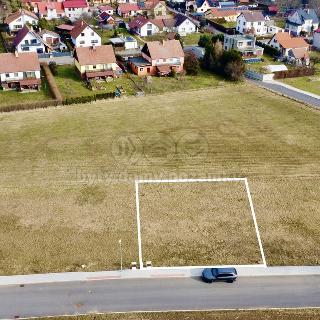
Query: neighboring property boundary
(245, 180)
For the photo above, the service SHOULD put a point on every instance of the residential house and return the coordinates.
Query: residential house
(124, 43)
(105, 18)
(252, 22)
(96, 62)
(27, 40)
(20, 71)
(184, 25)
(127, 10)
(202, 6)
(75, 9)
(159, 58)
(316, 39)
(228, 15)
(143, 26)
(82, 35)
(52, 40)
(245, 44)
(107, 9)
(17, 20)
(294, 49)
(154, 8)
(302, 20)
(50, 10)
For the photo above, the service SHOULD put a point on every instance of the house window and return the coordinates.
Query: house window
(249, 43)
(94, 41)
(240, 43)
(26, 41)
(141, 69)
(82, 34)
(259, 23)
(92, 34)
(82, 42)
(25, 49)
(34, 41)
(94, 67)
(15, 74)
(7, 75)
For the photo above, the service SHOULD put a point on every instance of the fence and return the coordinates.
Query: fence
(54, 55)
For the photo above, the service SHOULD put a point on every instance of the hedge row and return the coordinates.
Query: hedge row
(297, 72)
(268, 49)
(52, 83)
(86, 99)
(30, 106)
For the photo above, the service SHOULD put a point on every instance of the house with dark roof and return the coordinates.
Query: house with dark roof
(106, 18)
(74, 9)
(20, 71)
(294, 49)
(184, 25)
(302, 20)
(159, 58)
(17, 20)
(27, 40)
(143, 26)
(252, 22)
(82, 35)
(96, 62)
(202, 6)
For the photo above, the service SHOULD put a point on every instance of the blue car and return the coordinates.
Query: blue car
(210, 275)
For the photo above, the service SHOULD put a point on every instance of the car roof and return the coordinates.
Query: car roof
(226, 270)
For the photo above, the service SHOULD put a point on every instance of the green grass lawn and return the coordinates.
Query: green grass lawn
(193, 38)
(15, 97)
(169, 84)
(71, 85)
(67, 175)
(307, 83)
(107, 34)
(301, 314)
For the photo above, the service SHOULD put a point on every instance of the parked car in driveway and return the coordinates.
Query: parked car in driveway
(210, 275)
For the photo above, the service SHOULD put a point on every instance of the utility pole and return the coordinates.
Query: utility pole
(120, 247)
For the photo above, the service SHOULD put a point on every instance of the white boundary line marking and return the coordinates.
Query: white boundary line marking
(255, 222)
(216, 266)
(138, 225)
(137, 182)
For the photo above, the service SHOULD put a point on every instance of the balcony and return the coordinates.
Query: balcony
(24, 45)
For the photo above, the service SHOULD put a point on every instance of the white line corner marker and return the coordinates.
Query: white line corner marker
(255, 222)
(138, 225)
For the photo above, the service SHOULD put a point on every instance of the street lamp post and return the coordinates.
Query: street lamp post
(120, 246)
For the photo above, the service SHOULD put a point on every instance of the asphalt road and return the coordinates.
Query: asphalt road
(157, 294)
(290, 93)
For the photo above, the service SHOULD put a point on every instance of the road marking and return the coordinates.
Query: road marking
(245, 180)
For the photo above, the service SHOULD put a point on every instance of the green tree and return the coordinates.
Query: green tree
(204, 41)
(191, 64)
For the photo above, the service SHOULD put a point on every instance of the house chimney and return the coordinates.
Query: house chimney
(16, 53)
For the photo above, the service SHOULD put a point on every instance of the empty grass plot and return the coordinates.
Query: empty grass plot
(197, 223)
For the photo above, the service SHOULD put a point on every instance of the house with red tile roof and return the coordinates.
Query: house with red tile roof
(50, 10)
(107, 9)
(96, 62)
(154, 8)
(19, 19)
(20, 71)
(159, 58)
(294, 49)
(74, 9)
(227, 15)
(82, 35)
(127, 10)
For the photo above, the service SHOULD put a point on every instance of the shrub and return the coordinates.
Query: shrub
(53, 68)
(204, 41)
(191, 64)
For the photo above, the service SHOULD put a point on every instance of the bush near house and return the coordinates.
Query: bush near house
(191, 64)
(292, 73)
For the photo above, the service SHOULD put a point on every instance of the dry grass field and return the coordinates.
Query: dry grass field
(298, 314)
(66, 182)
(207, 223)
